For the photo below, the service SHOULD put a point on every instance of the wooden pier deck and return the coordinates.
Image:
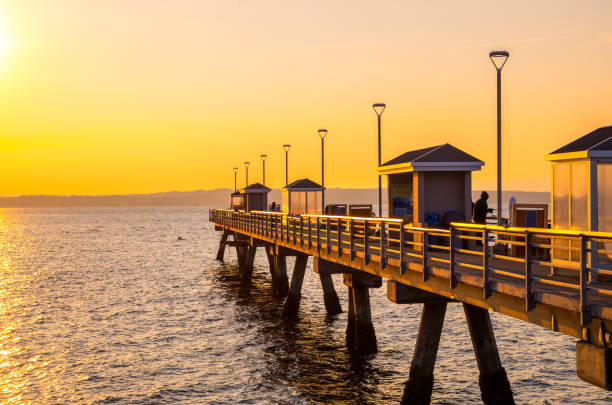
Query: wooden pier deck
(506, 270)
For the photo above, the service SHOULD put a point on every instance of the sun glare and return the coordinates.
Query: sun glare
(6, 44)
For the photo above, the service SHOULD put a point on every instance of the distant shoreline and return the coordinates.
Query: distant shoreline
(219, 198)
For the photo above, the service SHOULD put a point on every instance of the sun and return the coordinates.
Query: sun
(6, 45)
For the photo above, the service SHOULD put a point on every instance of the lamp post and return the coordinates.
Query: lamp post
(263, 161)
(235, 179)
(499, 59)
(378, 109)
(286, 147)
(246, 165)
(322, 133)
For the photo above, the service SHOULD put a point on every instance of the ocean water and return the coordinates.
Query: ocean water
(101, 306)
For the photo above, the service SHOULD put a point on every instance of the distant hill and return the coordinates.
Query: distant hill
(220, 198)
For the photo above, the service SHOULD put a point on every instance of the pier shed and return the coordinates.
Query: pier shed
(431, 186)
(236, 201)
(303, 196)
(255, 197)
(582, 185)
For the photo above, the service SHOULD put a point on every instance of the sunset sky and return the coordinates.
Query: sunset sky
(132, 96)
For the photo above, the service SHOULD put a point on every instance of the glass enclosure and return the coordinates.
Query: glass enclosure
(302, 202)
(604, 206)
(570, 204)
(236, 201)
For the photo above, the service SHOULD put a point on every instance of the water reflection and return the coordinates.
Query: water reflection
(308, 354)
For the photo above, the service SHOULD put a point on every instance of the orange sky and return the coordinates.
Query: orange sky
(115, 96)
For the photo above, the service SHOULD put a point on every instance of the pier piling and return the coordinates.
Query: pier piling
(292, 303)
(249, 259)
(493, 381)
(364, 336)
(221, 251)
(330, 297)
(350, 324)
(421, 378)
(281, 281)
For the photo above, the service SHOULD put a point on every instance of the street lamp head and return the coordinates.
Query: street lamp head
(499, 58)
(246, 164)
(322, 132)
(379, 108)
(263, 157)
(286, 147)
(235, 169)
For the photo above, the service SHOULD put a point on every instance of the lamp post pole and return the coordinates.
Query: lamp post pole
(286, 147)
(235, 179)
(246, 165)
(499, 59)
(378, 109)
(263, 161)
(322, 133)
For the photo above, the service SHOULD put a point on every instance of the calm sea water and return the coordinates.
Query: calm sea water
(103, 306)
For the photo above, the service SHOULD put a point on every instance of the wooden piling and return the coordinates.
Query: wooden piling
(292, 303)
(421, 378)
(493, 381)
(222, 244)
(330, 297)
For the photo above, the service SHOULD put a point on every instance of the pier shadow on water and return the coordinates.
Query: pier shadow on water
(306, 356)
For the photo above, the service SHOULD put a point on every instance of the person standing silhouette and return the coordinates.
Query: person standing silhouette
(481, 209)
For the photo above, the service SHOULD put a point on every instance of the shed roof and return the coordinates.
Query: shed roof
(303, 185)
(594, 144)
(255, 188)
(437, 157)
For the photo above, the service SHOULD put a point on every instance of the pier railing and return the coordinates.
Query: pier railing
(568, 262)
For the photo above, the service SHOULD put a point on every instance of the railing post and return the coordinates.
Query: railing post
(309, 233)
(451, 257)
(529, 304)
(366, 230)
(382, 245)
(301, 231)
(327, 228)
(294, 230)
(425, 249)
(351, 240)
(339, 236)
(485, 263)
(401, 248)
(585, 313)
(318, 235)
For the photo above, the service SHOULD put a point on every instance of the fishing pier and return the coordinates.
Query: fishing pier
(558, 279)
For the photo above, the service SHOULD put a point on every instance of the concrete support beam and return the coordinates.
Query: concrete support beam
(405, 294)
(594, 364)
(330, 297)
(365, 337)
(421, 378)
(247, 271)
(350, 324)
(493, 381)
(326, 267)
(362, 279)
(241, 252)
(292, 303)
(281, 281)
(222, 244)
